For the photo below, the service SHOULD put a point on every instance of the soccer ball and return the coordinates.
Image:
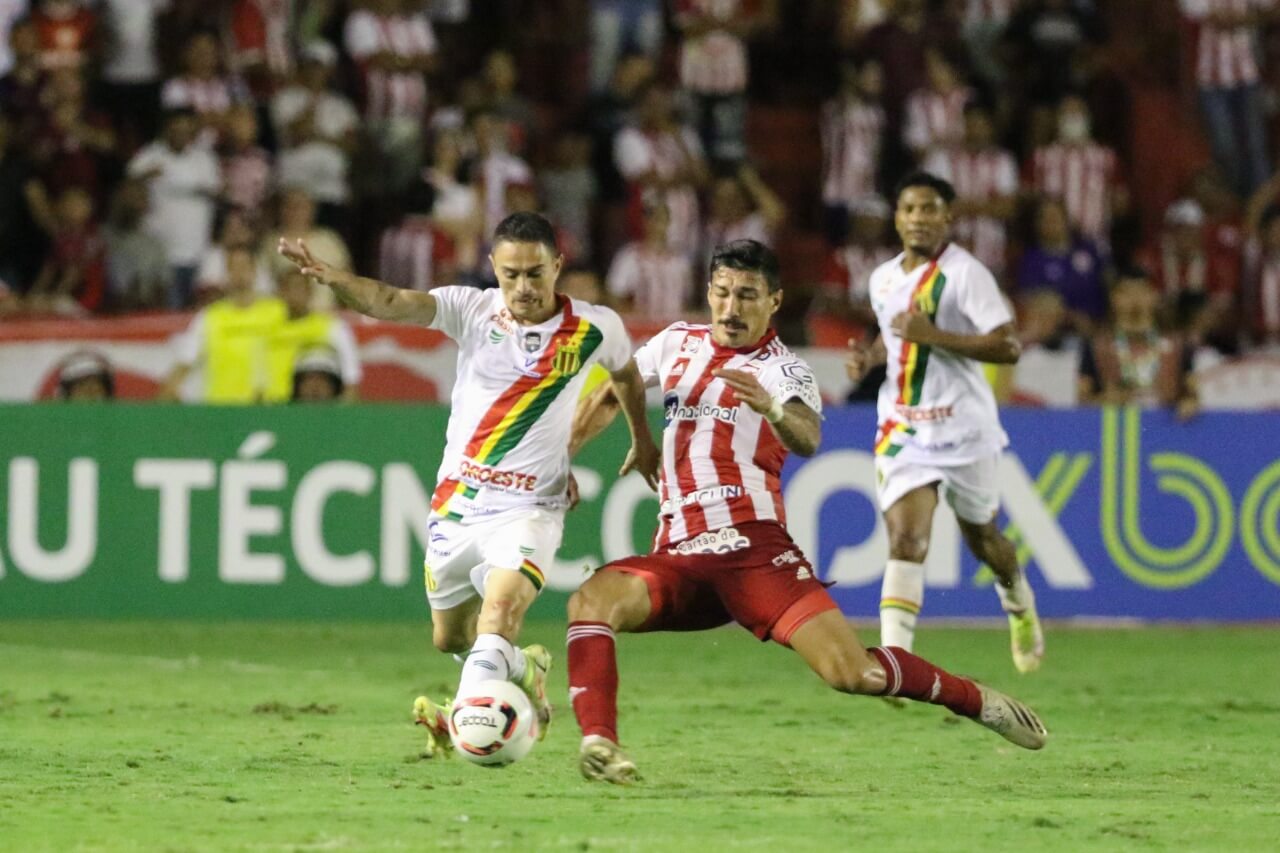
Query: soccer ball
(494, 724)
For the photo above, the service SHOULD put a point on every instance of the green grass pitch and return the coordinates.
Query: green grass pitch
(206, 736)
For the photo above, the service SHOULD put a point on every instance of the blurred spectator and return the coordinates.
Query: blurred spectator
(1048, 40)
(316, 127)
(985, 177)
(1200, 287)
(856, 19)
(246, 165)
(898, 44)
(298, 222)
(1228, 77)
(69, 33)
(86, 377)
(231, 341)
(662, 159)
(495, 167)
(138, 269)
(570, 188)
(305, 329)
(131, 70)
(742, 208)
(1066, 264)
(1047, 370)
(73, 279)
(456, 209)
(713, 68)
(935, 113)
(579, 281)
(618, 27)
(20, 236)
(414, 253)
(394, 48)
(1130, 362)
(502, 99)
(1081, 172)
(648, 277)
(843, 293)
(203, 88)
(983, 25)
(72, 146)
(11, 11)
(317, 376)
(260, 32)
(1262, 265)
(853, 125)
(237, 230)
(608, 112)
(183, 179)
(20, 88)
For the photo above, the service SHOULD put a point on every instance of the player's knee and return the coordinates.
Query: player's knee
(588, 604)
(909, 545)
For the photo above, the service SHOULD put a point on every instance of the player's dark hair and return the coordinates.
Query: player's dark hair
(748, 256)
(526, 228)
(924, 179)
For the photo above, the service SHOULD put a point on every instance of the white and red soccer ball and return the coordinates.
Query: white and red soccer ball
(494, 724)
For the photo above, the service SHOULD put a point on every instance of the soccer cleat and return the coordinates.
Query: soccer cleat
(1026, 638)
(537, 662)
(1011, 719)
(435, 719)
(602, 760)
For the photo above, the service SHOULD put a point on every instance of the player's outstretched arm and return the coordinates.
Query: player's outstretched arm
(628, 385)
(799, 427)
(998, 346)
(366, 295)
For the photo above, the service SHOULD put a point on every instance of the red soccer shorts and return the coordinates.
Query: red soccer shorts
(753, 574)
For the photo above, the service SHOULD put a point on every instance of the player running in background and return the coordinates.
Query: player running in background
(736, 401)
(941, 316)
(498, 510)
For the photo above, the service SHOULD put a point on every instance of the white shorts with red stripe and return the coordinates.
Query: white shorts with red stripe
(970, 489)
(461, 554)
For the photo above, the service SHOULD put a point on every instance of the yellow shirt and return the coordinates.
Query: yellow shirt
(237, 345)
(291, 338)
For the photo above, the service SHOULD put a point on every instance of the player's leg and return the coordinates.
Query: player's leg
(827, 642)
(909, 522)
(972, 493)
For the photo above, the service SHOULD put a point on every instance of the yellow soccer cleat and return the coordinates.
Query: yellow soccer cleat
(602, 760)
(435, 719)
(1026, 639)
(537, 662)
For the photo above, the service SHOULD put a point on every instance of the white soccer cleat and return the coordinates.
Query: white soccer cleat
(602, 760)
(1011, 719)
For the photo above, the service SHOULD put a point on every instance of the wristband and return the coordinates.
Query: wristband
(776, 412)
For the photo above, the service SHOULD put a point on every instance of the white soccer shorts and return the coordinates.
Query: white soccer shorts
(460, 554)
(969, 488)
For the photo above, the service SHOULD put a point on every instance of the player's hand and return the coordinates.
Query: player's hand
(308, 264)
(913, 327)
(746, 388)
(857, 361)
(572, 491)
(645, 458)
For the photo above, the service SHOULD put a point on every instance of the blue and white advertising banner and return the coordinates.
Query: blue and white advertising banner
(1116, 513)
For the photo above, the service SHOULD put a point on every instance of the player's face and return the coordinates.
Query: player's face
(922, 219)
(741, 306)
(527, 274)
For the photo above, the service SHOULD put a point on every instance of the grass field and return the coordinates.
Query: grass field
(180, 736)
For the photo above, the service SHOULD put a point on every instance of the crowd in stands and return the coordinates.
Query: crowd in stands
(152, 153)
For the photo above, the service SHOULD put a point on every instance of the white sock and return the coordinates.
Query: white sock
(1018, 598)
(491, 657)
(901, 596)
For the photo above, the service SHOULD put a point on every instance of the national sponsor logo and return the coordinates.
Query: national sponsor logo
(713, 493)
(677, 412)
(721, 541)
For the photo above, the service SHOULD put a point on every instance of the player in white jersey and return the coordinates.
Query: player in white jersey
(498, 509)
(736, 400)
(941, 316)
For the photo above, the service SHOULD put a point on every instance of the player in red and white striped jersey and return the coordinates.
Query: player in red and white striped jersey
(1084, 174)
(985, 177)
(736, 400)
(935, 114)
(852, 135)
(259, 31)
(647, 276)
(393, 49)
(203, 87)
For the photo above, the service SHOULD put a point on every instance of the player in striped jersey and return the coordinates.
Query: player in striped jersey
(498, 511)
(737, 400)
(941, 316)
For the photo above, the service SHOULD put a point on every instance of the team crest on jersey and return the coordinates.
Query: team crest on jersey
(568, 359)
(532, 341)
(690, 345)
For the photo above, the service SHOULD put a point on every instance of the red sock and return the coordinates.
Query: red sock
(593, 678)
(912, 677)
